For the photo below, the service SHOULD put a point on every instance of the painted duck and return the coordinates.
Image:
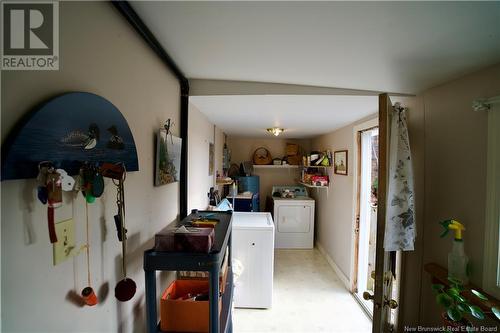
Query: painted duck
(116, 141)
(78, 138)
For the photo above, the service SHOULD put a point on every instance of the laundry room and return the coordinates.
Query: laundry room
(249, 166)
(290, 176)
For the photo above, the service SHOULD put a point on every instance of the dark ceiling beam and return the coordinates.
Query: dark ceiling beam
(140, 27)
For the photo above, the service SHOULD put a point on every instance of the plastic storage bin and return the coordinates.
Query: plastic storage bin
(185, 315)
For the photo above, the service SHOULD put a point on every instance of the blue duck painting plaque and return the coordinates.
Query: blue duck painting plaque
(68, 130)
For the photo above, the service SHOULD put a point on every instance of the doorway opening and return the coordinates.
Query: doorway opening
(366, 215)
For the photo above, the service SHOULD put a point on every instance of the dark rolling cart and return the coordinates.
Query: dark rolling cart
(183, 261)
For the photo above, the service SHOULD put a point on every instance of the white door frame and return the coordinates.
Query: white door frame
(358, 128)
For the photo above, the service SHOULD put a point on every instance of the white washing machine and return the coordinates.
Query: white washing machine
(293, 215)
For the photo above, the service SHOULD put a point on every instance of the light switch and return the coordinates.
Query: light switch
(65, 246)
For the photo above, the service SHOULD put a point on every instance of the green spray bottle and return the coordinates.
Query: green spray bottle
(457, 259)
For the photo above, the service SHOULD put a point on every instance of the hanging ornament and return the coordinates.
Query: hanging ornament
(67, 182)
(88, 294)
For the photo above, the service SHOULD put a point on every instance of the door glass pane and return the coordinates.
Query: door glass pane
(368, 212)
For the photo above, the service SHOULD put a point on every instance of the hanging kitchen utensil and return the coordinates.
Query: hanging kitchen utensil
(126, 288)
(54, 200)
(88, 294)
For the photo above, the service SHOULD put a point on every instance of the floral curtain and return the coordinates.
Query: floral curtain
(400, 228)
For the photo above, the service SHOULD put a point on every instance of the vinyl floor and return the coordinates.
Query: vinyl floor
(308, 297)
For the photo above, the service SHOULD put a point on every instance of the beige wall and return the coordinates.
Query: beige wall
(242, 149)
(334, 209)
(455, 172)
(201, 133)
(107, 58)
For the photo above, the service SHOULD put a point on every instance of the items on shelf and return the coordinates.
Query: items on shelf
(293, 156)
(315, 179)
(224, 181)
(202, 275)
(185, 239)
(204, 222)
(262, 156)
(317, 158)
(314, 176)
(278, 161)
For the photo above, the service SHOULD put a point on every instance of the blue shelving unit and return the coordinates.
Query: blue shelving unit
(182, 261)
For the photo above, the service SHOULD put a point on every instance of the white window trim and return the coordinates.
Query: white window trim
(491, 271)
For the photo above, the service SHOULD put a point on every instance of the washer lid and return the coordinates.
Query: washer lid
(293, 199)
(250, 220)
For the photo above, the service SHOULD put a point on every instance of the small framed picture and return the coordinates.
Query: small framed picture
(168, 158)
(340, 162)
(211, 153)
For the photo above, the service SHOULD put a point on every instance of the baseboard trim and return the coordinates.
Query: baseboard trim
(343, 278)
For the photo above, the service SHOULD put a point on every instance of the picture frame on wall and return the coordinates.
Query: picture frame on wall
(340, 163)
(168, 158)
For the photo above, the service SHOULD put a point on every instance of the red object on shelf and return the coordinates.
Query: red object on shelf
(319, 180)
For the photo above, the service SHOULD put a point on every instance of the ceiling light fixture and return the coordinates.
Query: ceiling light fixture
(275, 130)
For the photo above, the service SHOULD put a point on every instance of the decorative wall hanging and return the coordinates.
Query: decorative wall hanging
(168, 157)
(67, 130)
(340, 162)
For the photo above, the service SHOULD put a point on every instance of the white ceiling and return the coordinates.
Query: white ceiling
(399, 47)
(301, 116)
(384, 46)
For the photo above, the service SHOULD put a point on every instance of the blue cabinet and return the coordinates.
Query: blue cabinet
(248, 184)
(245, 202)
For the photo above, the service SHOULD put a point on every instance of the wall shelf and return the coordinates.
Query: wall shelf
(271, 166)
(317, 166)
(312, 186)
(223, 182)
